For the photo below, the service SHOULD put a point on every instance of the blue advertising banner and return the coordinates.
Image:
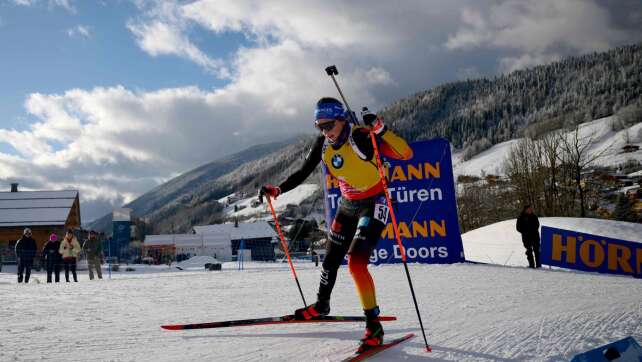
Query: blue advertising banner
(423, 193)
(121, 236)
(626, 349)
(581, 251)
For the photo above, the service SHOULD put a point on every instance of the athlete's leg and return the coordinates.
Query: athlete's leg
(369, 229)
(365, 240)
(339, 239)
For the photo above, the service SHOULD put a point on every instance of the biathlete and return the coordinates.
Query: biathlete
(348, 154)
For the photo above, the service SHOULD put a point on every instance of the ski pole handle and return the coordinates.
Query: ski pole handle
(332, 71)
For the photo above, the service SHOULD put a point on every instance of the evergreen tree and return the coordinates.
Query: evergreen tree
(624, 210)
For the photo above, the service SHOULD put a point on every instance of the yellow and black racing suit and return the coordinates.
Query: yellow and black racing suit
(362, 212)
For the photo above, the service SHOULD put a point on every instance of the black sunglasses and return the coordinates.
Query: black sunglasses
(325, 126)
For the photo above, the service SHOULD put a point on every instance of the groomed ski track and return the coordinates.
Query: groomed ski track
(472, 313)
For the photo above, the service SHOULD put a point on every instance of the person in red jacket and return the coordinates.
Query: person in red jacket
(347, 152)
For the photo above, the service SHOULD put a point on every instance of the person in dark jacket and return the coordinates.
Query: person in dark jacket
(94, 250)
(52, 257)
(528, 226)
(25, 253)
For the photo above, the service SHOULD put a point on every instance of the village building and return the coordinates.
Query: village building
(44, 212)
(258, 237)
(159, 249)
(220, 241)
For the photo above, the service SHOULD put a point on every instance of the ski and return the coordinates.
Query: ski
(371, 352)
(286, 319)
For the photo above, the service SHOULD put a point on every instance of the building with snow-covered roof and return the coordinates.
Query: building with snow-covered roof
(218, 246)
(259, 237)
(44, 212)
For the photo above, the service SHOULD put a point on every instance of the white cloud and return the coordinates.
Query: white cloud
(538, 30)
(80, 30)
(321, 24)
(474, 33)
(25, 2)
(162, 32)
(115, 143)
(509, 64)
(65, 4)
(537, 26)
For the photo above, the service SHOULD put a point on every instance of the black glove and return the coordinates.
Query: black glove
(270, 190)
(367, 116)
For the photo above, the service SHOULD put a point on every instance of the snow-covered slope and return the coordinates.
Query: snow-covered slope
(249, 207)
(471, 312)
(607, 143)
(501, 244)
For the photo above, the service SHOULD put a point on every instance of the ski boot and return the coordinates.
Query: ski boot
(320, 308)
(374, 331)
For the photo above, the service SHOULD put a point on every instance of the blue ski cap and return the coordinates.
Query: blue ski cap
(329, 109)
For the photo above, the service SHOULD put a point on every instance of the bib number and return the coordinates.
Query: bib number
(381, 213)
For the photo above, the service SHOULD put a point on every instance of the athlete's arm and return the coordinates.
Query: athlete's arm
(311, 161)
(394, 146)
(390, 145)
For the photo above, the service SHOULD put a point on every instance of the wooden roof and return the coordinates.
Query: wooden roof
(36, 208)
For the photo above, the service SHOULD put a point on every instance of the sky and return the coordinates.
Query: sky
(114, 97)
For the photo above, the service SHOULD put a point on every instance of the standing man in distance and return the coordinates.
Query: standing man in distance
(528, 226)
(25, 253)
(94, 250)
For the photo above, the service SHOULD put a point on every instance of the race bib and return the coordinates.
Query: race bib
(381, 212)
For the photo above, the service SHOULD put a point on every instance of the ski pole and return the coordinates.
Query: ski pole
(285, 248)
(332, 71)
(397, 234)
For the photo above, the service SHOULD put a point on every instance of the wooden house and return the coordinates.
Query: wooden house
(44, 212)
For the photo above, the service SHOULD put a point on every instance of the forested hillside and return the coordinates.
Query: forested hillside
(476, 114)
(472, 114)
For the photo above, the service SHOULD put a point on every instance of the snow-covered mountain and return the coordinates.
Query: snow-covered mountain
(472, 114)
(607, 143)
(249, 208)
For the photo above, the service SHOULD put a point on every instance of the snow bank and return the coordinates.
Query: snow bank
(501, 244)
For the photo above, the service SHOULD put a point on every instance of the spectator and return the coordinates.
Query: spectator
(52, 258)
(94, 250)
(528, 226)
(25, 252)
(70, 249)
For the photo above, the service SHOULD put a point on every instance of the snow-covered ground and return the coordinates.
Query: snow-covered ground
(501, 244)
(606, 143)
(471, 312)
